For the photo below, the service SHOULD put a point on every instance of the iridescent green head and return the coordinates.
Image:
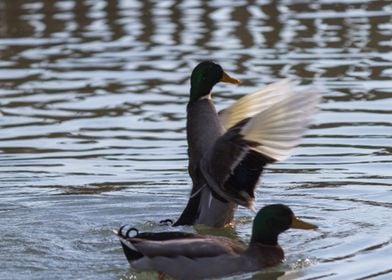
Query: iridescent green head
(272, 220)
(205, 75)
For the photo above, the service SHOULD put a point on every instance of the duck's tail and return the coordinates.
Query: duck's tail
(130, 251)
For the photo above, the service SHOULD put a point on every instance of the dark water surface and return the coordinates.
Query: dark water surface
(92, 116)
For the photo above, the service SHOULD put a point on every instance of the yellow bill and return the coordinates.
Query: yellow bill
(227, 79)
(297, 223)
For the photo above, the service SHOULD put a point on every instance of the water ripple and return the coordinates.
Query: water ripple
(92, 114)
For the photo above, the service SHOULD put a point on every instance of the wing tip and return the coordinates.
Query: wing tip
(280, 127)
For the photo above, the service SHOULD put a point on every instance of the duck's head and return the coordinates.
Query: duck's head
(205, 75)
(274, 219)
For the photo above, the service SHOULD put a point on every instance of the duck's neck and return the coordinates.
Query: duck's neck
(199, 92)
(263, 233)
(194, 101)
(265, 238)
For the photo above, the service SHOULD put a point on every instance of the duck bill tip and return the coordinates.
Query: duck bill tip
(299, 224)
(226, 78)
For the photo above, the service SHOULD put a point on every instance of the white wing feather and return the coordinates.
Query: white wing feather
(279, 128)
(280, 114)
(254, 103)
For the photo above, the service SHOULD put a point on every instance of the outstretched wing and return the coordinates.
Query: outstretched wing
(254, 103)
(279, 128)
(234, 164)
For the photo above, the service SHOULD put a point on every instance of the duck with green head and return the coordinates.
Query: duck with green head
(229, 150)
(192, 256)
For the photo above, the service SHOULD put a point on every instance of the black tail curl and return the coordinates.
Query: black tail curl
(126, 239)
(167, 222)
(127, 233)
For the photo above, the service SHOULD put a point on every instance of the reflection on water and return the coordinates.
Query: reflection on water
(92, 115)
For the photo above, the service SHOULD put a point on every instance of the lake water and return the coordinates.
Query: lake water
(92, 115)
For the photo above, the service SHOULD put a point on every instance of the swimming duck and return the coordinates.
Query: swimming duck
(193, 256)
(229, 150)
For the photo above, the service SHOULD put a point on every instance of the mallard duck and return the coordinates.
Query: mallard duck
(193, 256)
(228, 150)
